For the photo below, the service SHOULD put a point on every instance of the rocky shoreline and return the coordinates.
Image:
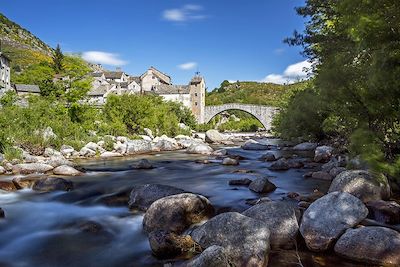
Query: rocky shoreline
(355, 219)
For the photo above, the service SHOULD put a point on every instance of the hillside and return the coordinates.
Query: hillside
(252, 93)
(21, 45)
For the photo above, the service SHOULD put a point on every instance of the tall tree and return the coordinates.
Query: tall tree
(58, 58)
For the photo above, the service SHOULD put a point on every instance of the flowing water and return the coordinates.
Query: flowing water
(88, 227)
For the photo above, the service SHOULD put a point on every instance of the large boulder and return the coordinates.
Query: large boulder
(66, 150)
(361, 184)
(48, 152)
(254, 145)
(167, 245)
(305, 146)
(269, 156)
(24, 182)
(148, 132)
(177, 212)
(244, 239)
(328, 217)
(143, 164)
(280, 217)
(213, 256)
(2, 170)
(29, 168)
(384, 211)
(213, 136)
(108, 154)
(280, 165)
(120, 148)
(199, 148)
(56, 161)
(262, 185)
(138, 146)
(66, 171)
(165, 143)
(7, 186)
(371, 245)
(245, 182)
(323, 153)
(321, 175)
(142, 196)
(87, 152)
(52, 184)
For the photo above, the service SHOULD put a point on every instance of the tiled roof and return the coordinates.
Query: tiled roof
(113, 74)
(134, 79)
(196, 80)
(27, 88)
(99, 91)
(165, 89)
(96, 74)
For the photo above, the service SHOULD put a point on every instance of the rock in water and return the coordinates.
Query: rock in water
(384, 211)
(138, 146)
(2, 213)
(229, 161)
(213, 136)
(280, 217)
(245, 182)
(108, 154)
(371, 245)
(199, 148)
(321, 175)
(66, 171)
(167, 245)
(361, 184)
(177, 212)
(254, 145)
(280, 165)
(142, 196)
(214, 256)
(52, 184)
(268, 157)
(323, 153)
(328, 217)
(7, 186)
(244, 239)
(143, 164)
(262, 185)
(29, 168)
(305, 146)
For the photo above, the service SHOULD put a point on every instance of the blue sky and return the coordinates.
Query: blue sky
(232, 40)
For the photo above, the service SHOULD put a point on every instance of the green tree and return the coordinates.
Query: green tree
(58, 58)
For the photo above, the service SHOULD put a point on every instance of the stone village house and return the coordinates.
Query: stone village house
(5, 73)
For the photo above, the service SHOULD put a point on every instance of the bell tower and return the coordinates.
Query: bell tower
(197, 90)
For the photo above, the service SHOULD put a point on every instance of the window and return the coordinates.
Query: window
(195, 103)
(195, 94)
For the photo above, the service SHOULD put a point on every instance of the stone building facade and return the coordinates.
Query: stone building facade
(5, 73)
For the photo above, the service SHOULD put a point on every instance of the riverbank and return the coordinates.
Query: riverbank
(94, 211)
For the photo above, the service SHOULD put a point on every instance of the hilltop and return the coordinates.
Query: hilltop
(252, 93)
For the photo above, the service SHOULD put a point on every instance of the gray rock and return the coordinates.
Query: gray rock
(48, 152)
(384, 211)
(323, 153)
(2, 170)
(229, 161)
(122, 139)
(120, 148)
(220, 152)
(280, 217)
(67, 150)
(244, 239)
(254, 145)
(328, 217)
(327, 167)
(336, 171)
(52, 184)
(108, 154)
(213, 256)
(167, 145)
(29, 168)
(48, 134)
(257, 201)
(95, 147)
(213, 136)
(87, 152)
(305, 146)
(321, 175)
(371, 245)
(138, 146)
(197, 148)
(142, 196)
(269, 156)
(1, 158)
(177, 212)
(280, 165)
(56, 161)
(66, 171)
(245, 181)
(148, 132)
(262, 185)
(143, 164)
(361, 184)
(23, 182)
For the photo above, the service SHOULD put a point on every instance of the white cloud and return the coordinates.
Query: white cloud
(188, 66)
(185, 13)
(103, 58)
(295, 72)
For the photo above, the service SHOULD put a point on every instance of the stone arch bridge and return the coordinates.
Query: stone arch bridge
(264, 114)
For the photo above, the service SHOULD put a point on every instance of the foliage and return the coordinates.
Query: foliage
(244, 122)
(58, 58)
(354, 45)
(8, 98)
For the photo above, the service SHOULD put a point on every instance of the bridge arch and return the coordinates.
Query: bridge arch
(264, 114)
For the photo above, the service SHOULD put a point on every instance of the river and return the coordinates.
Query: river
(77, 228)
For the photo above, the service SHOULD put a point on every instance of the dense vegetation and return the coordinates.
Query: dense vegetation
(355, 94)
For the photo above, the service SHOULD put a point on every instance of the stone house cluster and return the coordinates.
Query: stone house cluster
(153, 81)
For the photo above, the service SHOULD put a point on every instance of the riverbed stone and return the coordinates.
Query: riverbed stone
(2, 213)
(166, 144)
(138, 146)
(48, 152)
(199, 148)
(230, 161)
(361, 184)
(66, 150)
(254, 145)
(384, 211)
(108, 154)
(323, 153)
(328, 217)
(143, 164)
(142, 196)
(306, 146)
(87, 152)
(269, 156)
(56, 161)
(177, 212)
(148, 132)
(336, 171)
(52, 184)
(280, 165)
(7, 186)
(245, 181)
(213, 136)
(257, 201)
(24, 182)
(66, 170)
(262, 185)
(321, 175)
(213, 256)
(28, 168)
(120, 148)
(280, 217)
(2, 170)
(371, 245)
(167, 245)
(244, 239)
